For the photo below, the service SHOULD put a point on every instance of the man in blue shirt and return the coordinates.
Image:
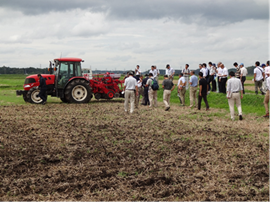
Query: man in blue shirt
(193, 89)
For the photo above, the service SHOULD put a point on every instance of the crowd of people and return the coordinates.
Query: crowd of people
(212, 77)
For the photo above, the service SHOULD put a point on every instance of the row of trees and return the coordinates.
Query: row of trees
(29, 71)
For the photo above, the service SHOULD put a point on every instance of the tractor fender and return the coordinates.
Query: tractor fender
(74, 78)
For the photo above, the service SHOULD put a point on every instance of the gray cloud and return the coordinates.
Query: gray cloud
(119, 34)
(218, 12)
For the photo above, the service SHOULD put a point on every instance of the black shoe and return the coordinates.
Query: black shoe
(240, 117)
(167, 109)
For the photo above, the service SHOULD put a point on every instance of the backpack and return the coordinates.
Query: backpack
(154, 85)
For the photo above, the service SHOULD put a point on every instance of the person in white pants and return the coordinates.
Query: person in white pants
(234, 87)
(130, 86)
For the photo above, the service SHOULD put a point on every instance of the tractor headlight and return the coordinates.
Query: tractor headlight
(27, 86)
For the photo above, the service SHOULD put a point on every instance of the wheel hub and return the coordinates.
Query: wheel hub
(79, 93)
(35, 98)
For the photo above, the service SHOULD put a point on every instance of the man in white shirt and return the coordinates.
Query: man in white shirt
(206, 75)
(170, 72)
(140, 92)
(219, 73)
(152, 93)
(263, 66)
(204, 70)
(182, 88)
(223, 79)
(137, 72)
(186, 74)
(258, 77)
(130, 86)
(243, 74)
(212, 77)
(266, 98)
(233, 88)
(154, 72)
(157, 70)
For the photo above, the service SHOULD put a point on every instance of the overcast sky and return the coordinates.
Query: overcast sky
(119, 34)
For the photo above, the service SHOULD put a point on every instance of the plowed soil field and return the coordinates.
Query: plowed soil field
(96, 152)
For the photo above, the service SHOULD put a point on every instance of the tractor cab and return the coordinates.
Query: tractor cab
(66, 69)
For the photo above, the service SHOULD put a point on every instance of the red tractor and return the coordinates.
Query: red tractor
(68, 84)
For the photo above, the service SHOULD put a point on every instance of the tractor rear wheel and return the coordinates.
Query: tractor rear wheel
(64, 100)
(78, 91)
(32, 96)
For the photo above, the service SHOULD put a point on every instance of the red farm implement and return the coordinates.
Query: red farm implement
(106, 86)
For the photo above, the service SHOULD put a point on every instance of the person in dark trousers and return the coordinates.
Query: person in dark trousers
(223, 79)
(43, 88)
(145, 91)
(203, 92)
(212, 76)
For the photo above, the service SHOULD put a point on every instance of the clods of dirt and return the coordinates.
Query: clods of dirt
(96, 152)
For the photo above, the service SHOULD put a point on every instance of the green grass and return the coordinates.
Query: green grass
(251, 103)
(11, 81)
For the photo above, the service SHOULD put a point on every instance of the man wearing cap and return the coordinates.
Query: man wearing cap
(266, 98)
(130, 86)
(170, 72)
(258, 77)
(243, 74)
(152, 93)
(233, 88)
(182, 88)
(193, 89)
(168, 87)
(43, 88)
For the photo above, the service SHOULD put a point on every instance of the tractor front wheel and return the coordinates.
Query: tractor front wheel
(78, 91)
(32, 96)
(25, 97)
